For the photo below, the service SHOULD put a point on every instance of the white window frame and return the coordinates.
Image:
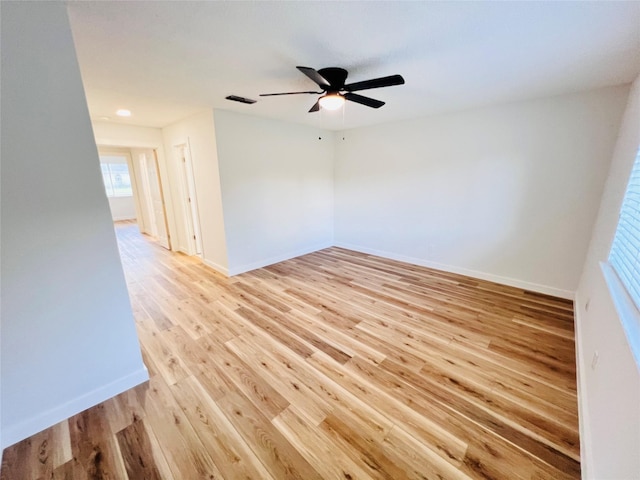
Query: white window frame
(622, 270)
(108, 165)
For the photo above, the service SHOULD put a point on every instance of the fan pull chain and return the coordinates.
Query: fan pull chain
(321, 121)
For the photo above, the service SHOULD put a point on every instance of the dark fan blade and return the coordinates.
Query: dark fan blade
(315, 76)
(285, 93)
(375, 83)
(369, 102)
(316, 107)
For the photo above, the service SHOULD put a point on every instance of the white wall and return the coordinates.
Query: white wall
(277, 189)
(117, 134)
(198, 132)
(507, 193)
(609, 393)
(68, 335)
(136, 138)
(122, 208)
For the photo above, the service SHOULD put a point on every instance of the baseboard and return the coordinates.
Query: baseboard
(583, 407)
(216, 267)
(277, 259)
(512, 282)
(14, 433)
(534, 287)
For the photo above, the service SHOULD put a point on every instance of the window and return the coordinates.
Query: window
(117, 181)
(622, 271)
(625, 250)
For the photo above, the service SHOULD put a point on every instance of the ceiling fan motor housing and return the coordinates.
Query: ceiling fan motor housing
(335, 76)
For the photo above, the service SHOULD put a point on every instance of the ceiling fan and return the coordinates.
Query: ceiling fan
(332, 82)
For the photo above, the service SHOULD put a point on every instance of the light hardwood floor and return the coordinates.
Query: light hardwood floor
(334, 365)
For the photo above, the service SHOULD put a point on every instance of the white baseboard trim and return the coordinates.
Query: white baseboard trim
(512, 282)
(216, 267)
(583, 406)
(12, 434)
(123, 218)
(277, 259)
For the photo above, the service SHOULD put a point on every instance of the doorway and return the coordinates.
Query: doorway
(118, 185)
(134, 188)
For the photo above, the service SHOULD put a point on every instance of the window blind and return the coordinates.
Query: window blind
(624, 256)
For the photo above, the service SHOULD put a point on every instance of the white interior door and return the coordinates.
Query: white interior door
(158, 212)
(146, 201)
(192, 217)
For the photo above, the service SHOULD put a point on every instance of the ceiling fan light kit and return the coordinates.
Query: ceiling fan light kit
(332, 82)
(332, 101)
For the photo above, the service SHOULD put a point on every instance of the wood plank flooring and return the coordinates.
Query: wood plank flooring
(334, 365)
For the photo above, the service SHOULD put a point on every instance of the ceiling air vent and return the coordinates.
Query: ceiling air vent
(235, 98)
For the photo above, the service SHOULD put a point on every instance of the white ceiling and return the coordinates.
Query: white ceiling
(167, 60)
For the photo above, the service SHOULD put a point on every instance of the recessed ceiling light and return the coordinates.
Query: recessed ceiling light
(123, 112)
